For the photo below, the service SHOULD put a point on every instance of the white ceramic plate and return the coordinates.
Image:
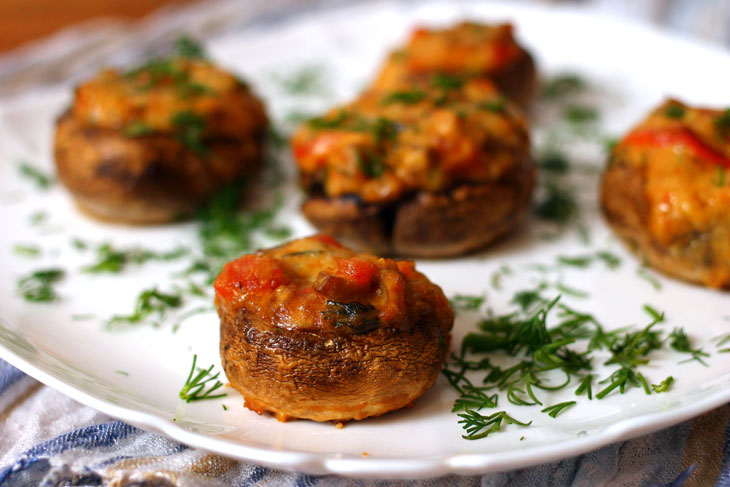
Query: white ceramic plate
(135, 373)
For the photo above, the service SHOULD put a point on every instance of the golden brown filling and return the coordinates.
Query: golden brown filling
(169, 95)
(686, 155)
(431, 136)
(316, 283)
(466, 49)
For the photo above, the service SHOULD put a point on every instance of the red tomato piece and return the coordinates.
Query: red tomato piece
(683, 137)
(250, 274)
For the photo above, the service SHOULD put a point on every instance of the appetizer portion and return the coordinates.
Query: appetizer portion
(151, 144)
(466, 50)
(439, 169)
(312, 330)
(666, 191)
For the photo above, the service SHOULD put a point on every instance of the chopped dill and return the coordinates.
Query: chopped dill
(554, 162)
(674, 111)
(664, 385)
(463, 302)
(556, 409)
(38, 218)
(39, 178)
(27, 250)
(194, 388)
(137, 129)
(409, 97)
(446, 82)
(151, 303)
(37, 287)
(540, 351)
(189, 129)
(562, 85)
(497, 106)
(644, 273)
(121, 372)
(478, 426)
(680, 342)
(303, 81)
(558, 205)
(113, 260)
(189, 48)
(579, 114)
(719, 179)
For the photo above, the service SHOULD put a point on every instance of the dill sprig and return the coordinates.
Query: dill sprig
(554, 410)
(114, 260)
(39, 178)
(151, 303)
(478, 426)
(194, 388)
(37, 286)
(464, 302)
(680, 342)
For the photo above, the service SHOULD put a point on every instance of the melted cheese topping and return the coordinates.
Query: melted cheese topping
(152, 95)
(430, 137)
(316, 283)
(466, 49)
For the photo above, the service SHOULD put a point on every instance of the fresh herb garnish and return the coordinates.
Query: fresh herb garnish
(722, 122)
(554, 410)
(478, 426)
(189, 129)
(151, 303)
(644, 273)
(37, 286)
(446, 82)
(680, 342)
(306, 80)
(674, 111)
(27, 250)
(539, 351)
(578, 114)
(137, 129)
(194, 388)
(562, 85)
(38, 217)
(371, 164)
(327, 122)
(557, 206)
(664, 385)
(465, 302)
(497, 106)
(38, 177)
(114, 260)
(406, 97)
(554, 162)
(188, 48)
(719, 180)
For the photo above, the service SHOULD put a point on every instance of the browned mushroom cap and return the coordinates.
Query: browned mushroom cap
(312, 330)
(151, 145)
(437, 170)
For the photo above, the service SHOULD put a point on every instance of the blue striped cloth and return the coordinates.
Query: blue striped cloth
(48, 440)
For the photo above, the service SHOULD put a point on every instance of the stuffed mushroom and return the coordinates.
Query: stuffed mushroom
(666, 191)
(439, 169)
(151, 144)
(466, 50)
(312, 330)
